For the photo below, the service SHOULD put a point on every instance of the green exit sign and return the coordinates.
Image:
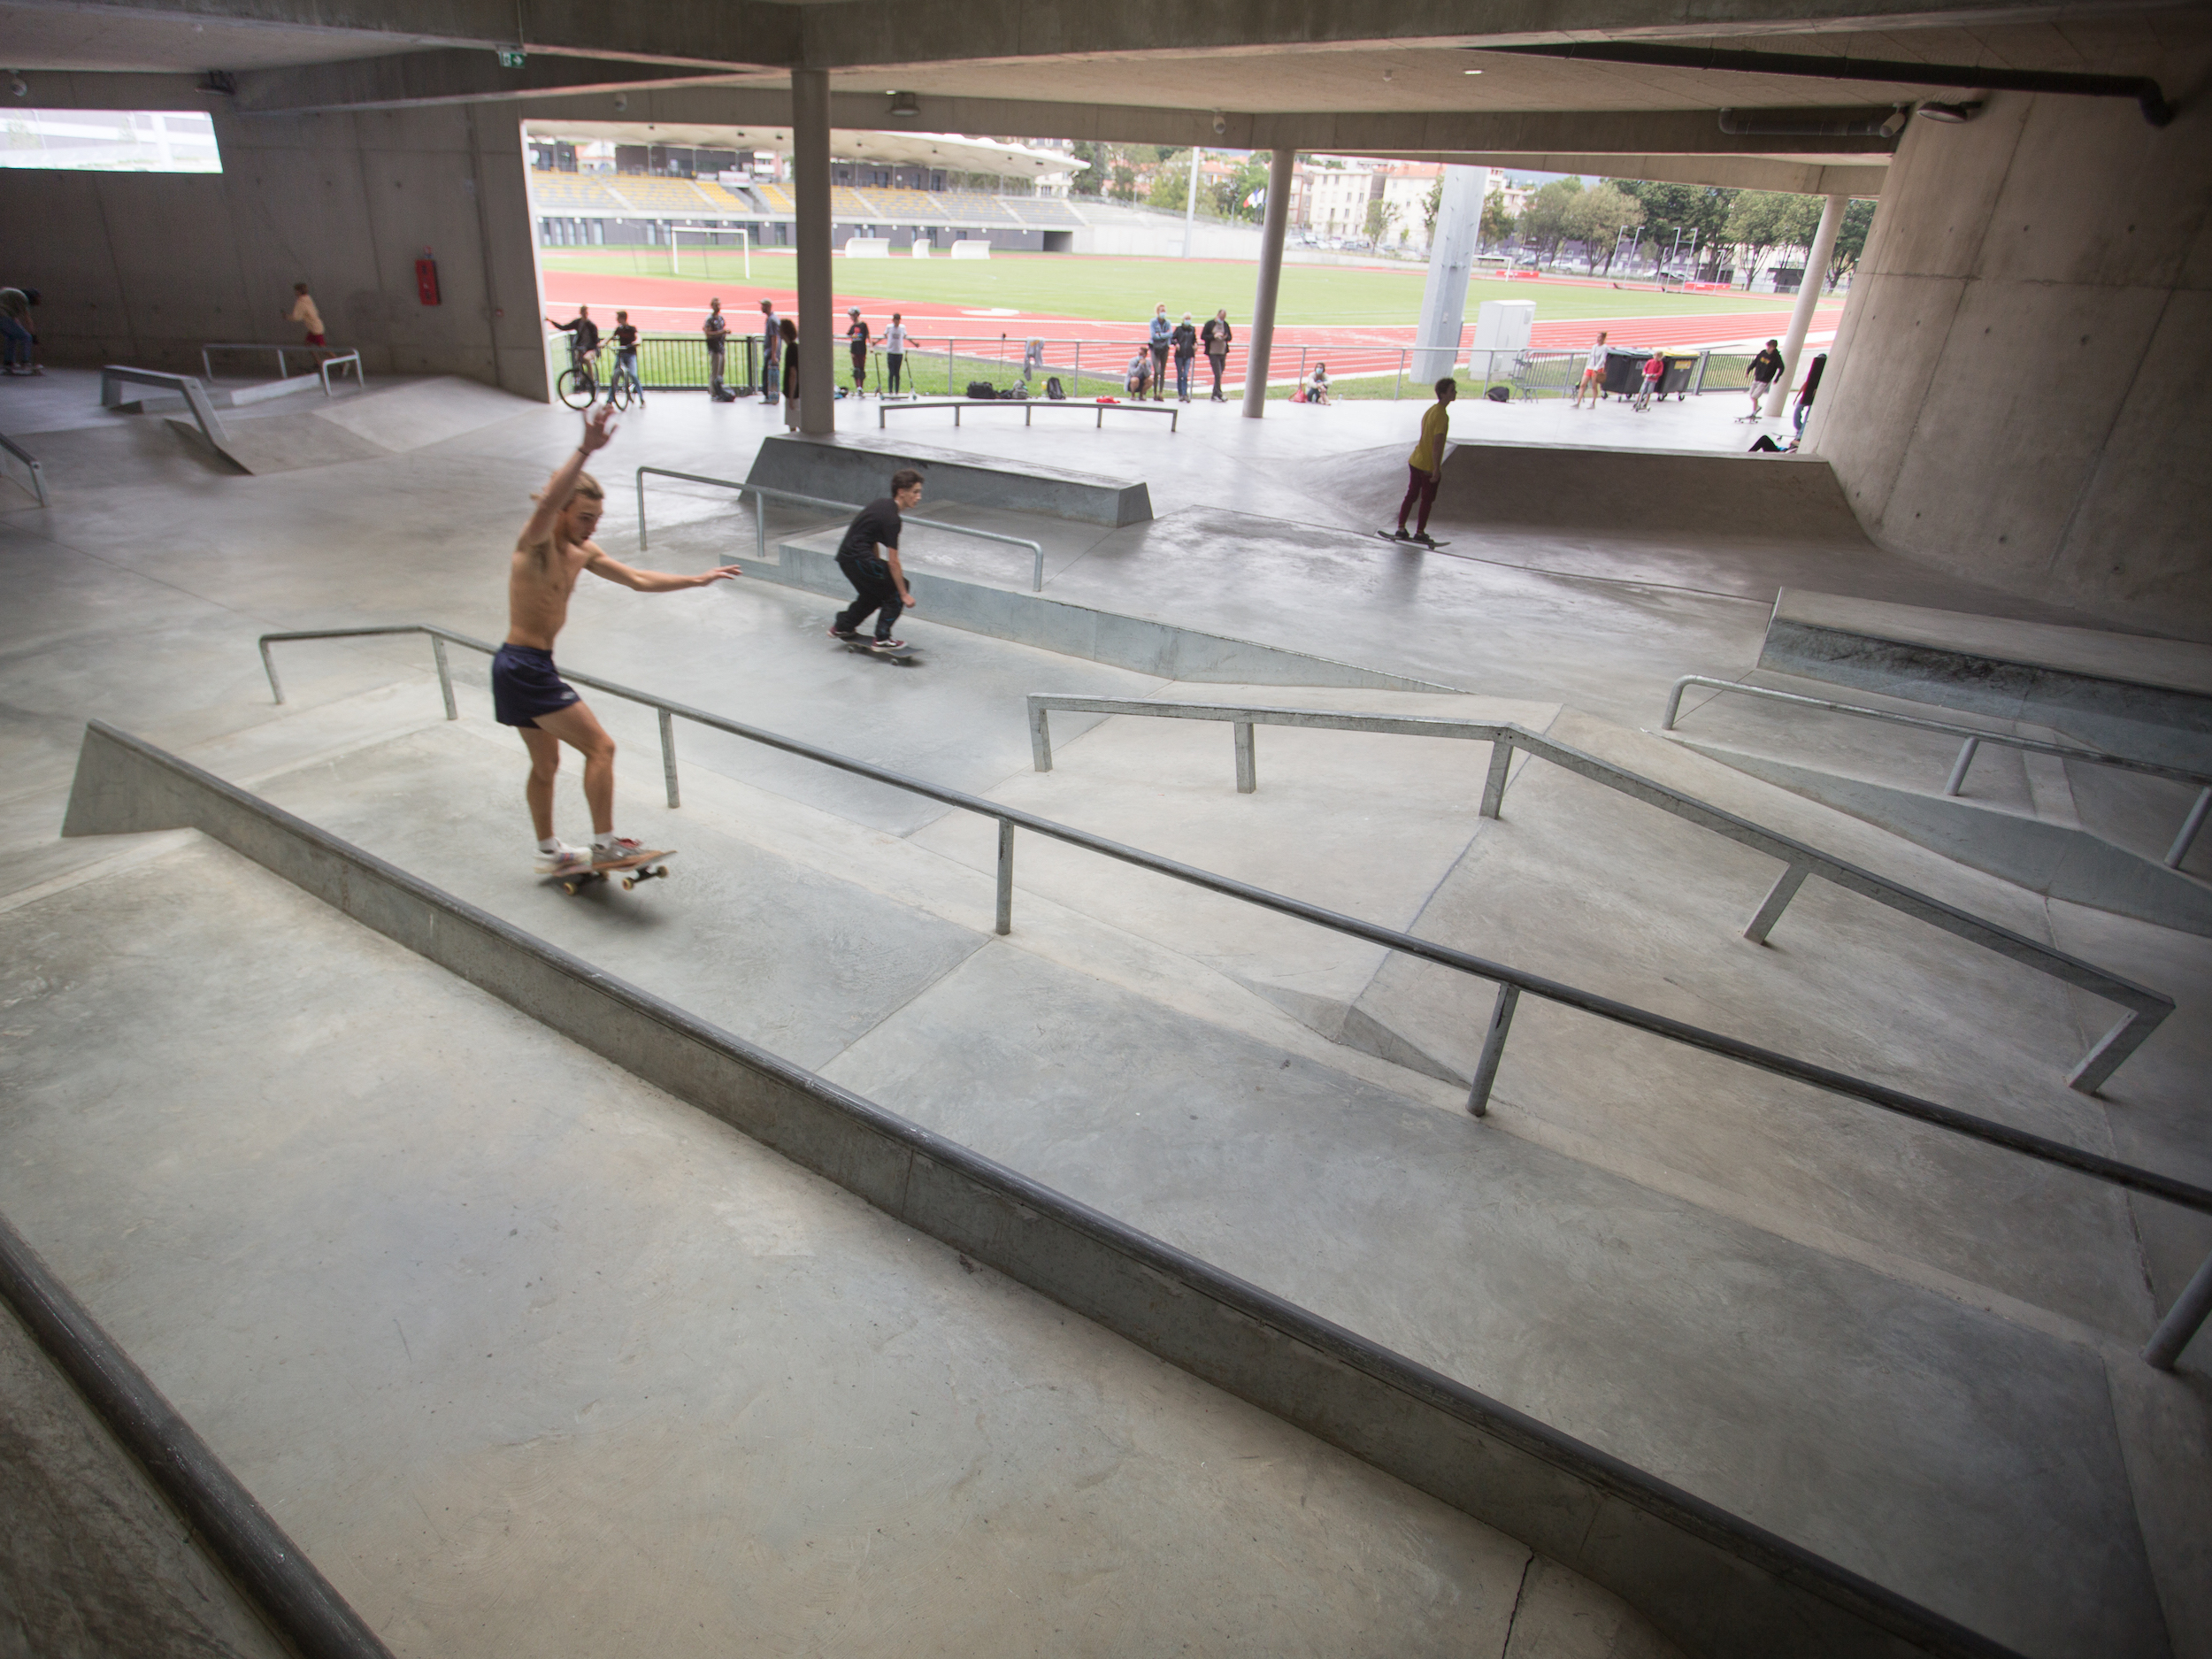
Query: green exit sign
(511, 57)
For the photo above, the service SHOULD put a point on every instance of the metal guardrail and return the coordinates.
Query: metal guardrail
(115, 376)
(760, 518)
(1973, 739)
(2146, 1009)
(1511, 982)
(340, 362)
(1028, 404)
(38, 473)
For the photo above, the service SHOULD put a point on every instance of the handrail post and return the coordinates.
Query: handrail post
(1778, 900)
(668, 756)
(1958, 769)
(760, 524)
(276, 691)
(2190, 826)
(1674, 705)
(2182, 1320)
(1037, 573)
(1492, 1050)
(640, 510)
(445, 677)
(1005, 923)
(1039, 736)
(1248, 772)
(1493, 786)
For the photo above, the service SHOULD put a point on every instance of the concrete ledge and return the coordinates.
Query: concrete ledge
(2131, 693)
(1717, 1584)
(2054, 859)
(1647, 492)
(856, 467)
(1100, 636)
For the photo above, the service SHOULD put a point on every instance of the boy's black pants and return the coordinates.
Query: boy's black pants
(871, 581)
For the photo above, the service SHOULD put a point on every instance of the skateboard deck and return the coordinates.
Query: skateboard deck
(908, 658)
(574, 881)
(1410, 541)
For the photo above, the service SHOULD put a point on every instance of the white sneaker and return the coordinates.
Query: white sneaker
(566, 861)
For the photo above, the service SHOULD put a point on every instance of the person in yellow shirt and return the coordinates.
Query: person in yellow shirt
(1425, 464)
(304, 311)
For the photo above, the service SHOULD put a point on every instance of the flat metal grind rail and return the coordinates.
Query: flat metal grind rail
(1973, 741)
(761, 493)
(1511, 982)
(309, 1614)
(1027, 405)
(2147, 1008)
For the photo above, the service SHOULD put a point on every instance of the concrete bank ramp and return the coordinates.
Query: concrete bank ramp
(857, 466)
(2131, 694)
(386, 417)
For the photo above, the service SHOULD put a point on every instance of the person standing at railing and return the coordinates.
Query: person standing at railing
(1593, 379)
(788, 338)
(717, 329)
(771, 353)
(869, 555)
(1216, 336)
(583, 342)
(1162, 339)
(1425, 465)
(1185, 340)
(894, 353)
(857, 338)
(625, 356)
(527, 691)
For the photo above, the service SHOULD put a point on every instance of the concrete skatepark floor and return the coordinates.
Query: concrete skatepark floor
(1691, 1193)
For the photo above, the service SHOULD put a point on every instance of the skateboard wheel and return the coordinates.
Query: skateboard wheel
(569, 888)
(662, 871)
(628, 882)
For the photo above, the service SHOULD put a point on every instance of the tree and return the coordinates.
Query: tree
(1597, 217)
(1546, 222)
(1497, 223)
(1122, 184)
(1432, 204)
(1380, 217)
(1683, 216)
(1761, 220)
(1091, 180)
(1858, 219)
(1243, 195)
(1171, 184)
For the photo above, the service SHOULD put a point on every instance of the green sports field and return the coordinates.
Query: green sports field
(1109, 290)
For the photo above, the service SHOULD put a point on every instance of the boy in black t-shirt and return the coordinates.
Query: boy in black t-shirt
(625, 356)
(879, 581)
(857, 336)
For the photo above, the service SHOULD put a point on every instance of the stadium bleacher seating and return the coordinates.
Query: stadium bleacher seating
(640, 195)
(570, 192)
(777, 197)
(1046, 213)
(971, 207)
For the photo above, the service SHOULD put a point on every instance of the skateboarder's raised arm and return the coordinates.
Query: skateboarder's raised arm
(598, 432)
(651, 581)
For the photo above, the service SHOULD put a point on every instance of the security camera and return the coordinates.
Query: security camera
(18, 85)
(621, 102)
(1221, 124)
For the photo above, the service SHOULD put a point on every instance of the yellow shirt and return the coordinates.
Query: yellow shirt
(1428, 455)
(304, 311)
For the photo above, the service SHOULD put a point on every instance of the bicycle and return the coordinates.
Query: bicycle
(578, 385)
(624, 389)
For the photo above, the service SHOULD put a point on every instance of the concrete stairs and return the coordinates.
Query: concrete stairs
(1713, 1278)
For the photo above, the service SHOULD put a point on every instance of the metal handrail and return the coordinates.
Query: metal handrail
(339, 362)
(1027, 404)
(1511, 982)
(283, 374)
(2146, 1009)
(1974, 739)
(760, 518)
(114, 375)
(38, 473)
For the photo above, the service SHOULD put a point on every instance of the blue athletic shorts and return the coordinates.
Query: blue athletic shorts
(524, 684)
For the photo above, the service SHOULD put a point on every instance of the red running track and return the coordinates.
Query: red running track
(674, 305)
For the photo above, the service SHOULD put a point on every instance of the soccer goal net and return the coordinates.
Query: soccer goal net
(700, 250)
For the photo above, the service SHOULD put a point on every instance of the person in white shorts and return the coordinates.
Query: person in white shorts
(1592, 374)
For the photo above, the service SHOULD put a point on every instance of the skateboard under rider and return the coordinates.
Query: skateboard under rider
(574, 881)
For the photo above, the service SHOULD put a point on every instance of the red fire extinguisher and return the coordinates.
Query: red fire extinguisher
(426, 279)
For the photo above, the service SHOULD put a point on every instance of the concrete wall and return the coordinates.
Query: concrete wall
(143, 268)
(2022, 388)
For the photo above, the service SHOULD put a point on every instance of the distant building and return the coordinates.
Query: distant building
(1331, 194)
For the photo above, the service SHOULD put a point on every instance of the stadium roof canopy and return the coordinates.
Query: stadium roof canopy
(887, 148)
(1418, 78)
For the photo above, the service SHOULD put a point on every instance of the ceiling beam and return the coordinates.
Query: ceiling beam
(1738, 173)
(408, 79)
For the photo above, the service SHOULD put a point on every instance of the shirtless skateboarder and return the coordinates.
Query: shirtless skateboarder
(527, 693)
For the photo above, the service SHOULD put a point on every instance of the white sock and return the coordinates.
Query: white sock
(549, 845)
(601, 839)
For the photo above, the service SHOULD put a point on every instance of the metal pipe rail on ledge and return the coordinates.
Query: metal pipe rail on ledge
(38, 473)
(1027, 406)
(2147, 1008)
(2166, 1343)
(761, 492)
(1973, 741)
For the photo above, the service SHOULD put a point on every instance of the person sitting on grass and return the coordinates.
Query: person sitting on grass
(1139, 375)
(1317, 384)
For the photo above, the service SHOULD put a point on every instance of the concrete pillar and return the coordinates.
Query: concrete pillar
(1451, 261)
(1823, 250)
(810, 195)
(1262, 334)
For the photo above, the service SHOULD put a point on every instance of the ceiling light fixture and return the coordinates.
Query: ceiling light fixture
(1471, 72)
(1951, 114)
(905, 106)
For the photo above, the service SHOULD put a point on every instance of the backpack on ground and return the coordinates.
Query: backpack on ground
(982, 390)
(1019, 391)
(1054, 390)
(1500, 395)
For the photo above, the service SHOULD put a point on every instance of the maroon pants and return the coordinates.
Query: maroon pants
(1419, 486)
